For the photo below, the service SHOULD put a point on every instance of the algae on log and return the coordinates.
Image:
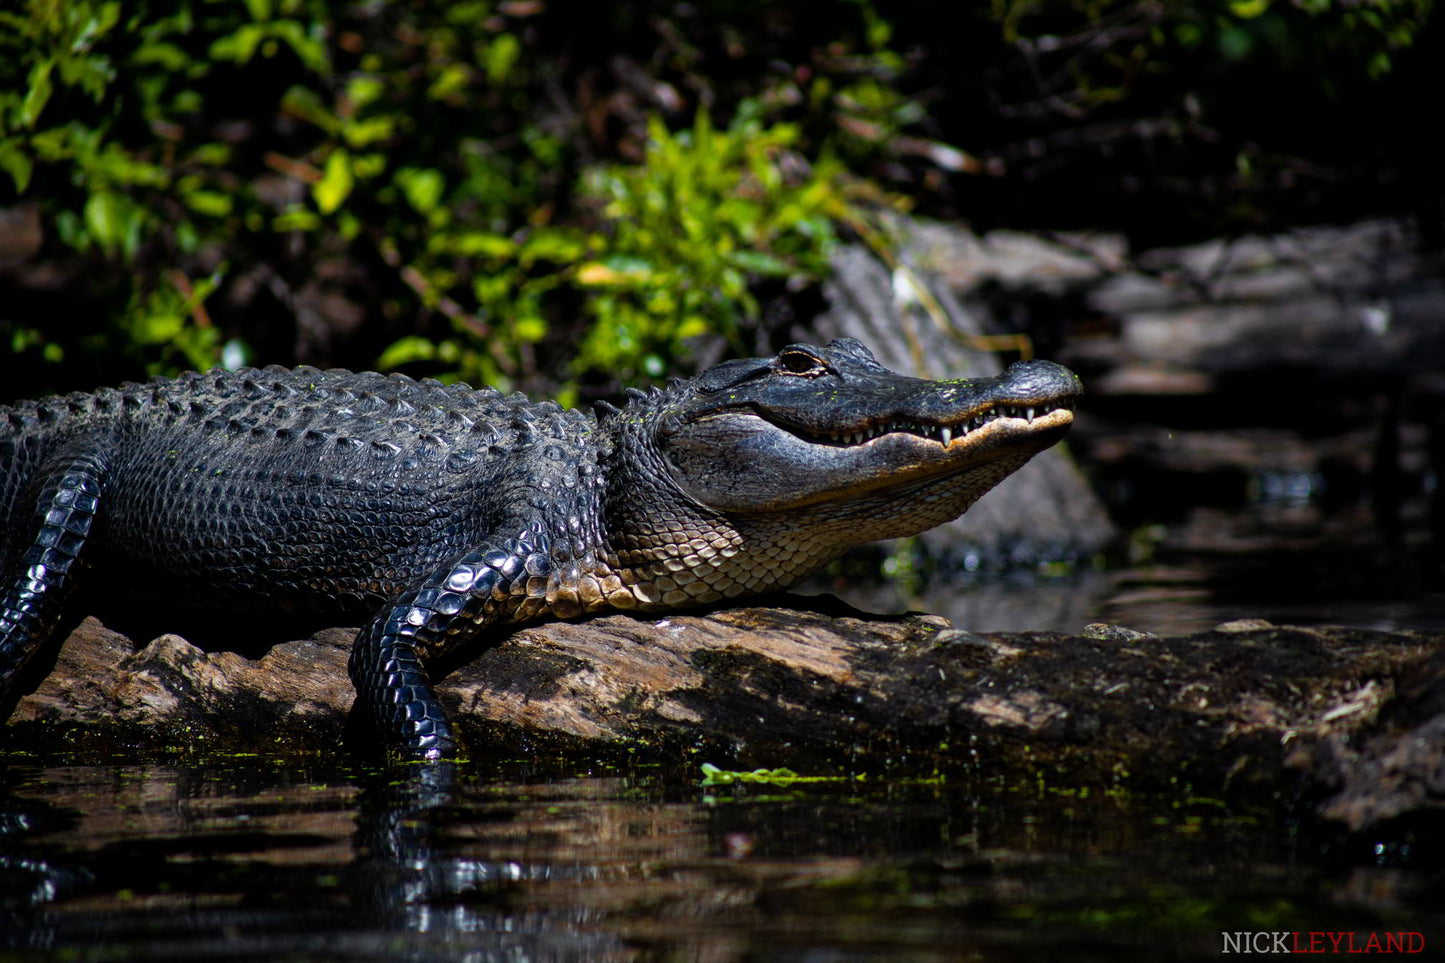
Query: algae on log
(1353, 715)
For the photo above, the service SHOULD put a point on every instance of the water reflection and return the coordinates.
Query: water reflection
(1285, 556)
(280, 858)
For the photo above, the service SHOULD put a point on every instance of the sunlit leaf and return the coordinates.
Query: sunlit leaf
(309, 46)
(210, 203)
(422, 187)
(552, 244)
(296, 218)
(105, 217)
(501, 54)
(37, 94)
(240, 45)
(452, 79)
(363, 89)
(532, 328)
(405, 351)
(369, 131)
(335, 184)
(476, 244)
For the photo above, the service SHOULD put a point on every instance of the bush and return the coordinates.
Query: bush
(517, 193)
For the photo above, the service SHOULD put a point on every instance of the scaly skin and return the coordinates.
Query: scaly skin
(440, 511)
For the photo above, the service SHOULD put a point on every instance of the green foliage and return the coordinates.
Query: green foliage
(1102, 47)
(168, 330)
(691, 230)
(1214, 116)
(412, 139)
(681, 241)
(1360, 37)
(514, 192)
(105, 131)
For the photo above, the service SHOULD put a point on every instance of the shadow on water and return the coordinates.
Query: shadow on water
(273, 858)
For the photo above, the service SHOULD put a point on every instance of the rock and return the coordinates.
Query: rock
(1105, 632)
(1355, 717)
(1243, 625)
(1394, 766)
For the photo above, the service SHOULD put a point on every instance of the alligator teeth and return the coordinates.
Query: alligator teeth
(944, 434)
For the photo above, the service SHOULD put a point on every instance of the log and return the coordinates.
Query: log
(1354, 718)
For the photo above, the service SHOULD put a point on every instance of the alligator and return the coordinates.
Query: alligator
(440, 511)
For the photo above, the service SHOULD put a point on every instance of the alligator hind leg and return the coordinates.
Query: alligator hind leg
(66, 496)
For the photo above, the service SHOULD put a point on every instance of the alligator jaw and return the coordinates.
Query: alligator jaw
(765, 467)
(832, 426)
(952, 435)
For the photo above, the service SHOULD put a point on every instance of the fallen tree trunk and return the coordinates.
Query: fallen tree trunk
(1351, 712)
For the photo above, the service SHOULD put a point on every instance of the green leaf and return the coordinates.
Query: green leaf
(296, 218)
(475, 244)
(367, 165)
(309, 47)
(530, 329)
(15, 162)
(451, 81)
(552, 244)
(501, 54)
(422, 187)
(37, 94)
(335, 184)
(405, 351)
(240, 46)
(759, 262)
(305, 103)
(363, 89)
(166, 56)
(91, 74)
(210, 203)
(159, 328)
(363, 132)
(212, 155)
(110, 221)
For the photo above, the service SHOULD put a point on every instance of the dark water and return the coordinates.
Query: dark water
(275, 858)
(1289, 561)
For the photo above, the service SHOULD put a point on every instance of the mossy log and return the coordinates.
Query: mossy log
(1355, 718)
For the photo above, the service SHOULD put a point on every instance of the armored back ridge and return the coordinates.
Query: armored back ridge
(438, 511)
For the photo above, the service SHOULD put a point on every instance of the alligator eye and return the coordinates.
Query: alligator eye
(801, 363)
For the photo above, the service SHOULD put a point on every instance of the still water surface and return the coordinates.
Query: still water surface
(305, 859)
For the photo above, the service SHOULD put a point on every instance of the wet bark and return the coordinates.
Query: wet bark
(1355, 718)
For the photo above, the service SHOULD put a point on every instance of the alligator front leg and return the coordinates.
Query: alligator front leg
(478, 589)
(66, 494)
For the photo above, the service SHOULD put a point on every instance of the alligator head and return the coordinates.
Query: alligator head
(812, 426)
(753, 475)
